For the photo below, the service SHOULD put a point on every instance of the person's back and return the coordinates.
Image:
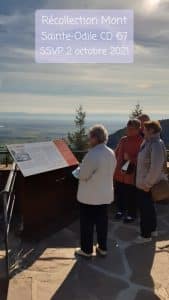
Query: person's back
(97, 188)
(95, 192)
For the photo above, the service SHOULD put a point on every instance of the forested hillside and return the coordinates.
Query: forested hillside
(115, 137)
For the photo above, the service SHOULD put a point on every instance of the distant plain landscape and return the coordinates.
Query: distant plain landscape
(22, 127)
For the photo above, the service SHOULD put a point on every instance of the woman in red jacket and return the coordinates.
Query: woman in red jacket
(125, 189)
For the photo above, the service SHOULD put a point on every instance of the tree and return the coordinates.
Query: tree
(78, 139)
(136, 112)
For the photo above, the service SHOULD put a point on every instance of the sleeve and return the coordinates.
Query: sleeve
(116, 150)
(156, 166)
(114, 162)
(88, 167)
(133, 159)
(119, 147)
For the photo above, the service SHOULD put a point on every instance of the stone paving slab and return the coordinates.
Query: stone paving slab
(126, 233)
(85, 282)
(48, 270)
(2, 264)
(113, 263)
(20, 288)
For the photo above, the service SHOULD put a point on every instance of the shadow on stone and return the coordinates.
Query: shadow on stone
(4, 289)
(83, 283)
(29, 254)
(140, 259)
(146, 295)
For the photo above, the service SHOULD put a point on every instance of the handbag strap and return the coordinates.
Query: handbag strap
(164, 167)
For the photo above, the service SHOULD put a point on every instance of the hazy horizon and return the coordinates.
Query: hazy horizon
(90, 115)
(25, 127)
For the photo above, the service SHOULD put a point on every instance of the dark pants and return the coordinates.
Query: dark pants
(148, 218)
(91, 216)
(126, 199)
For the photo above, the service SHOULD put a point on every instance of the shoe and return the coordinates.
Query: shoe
(142, 240)
(80, 252)
(154, 234)
(119, 216)
(128, 219)
(101, 252)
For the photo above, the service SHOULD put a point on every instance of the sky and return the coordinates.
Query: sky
(26, 86)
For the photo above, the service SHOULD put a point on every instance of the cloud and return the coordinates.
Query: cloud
(9, 7)
(144, 85)
(98, 87)
(36, 103)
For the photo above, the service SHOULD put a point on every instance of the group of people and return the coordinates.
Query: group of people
(127, 174)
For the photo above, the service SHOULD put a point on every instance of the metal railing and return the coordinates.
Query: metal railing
(168, 155)
(8, 198)
(5, 158)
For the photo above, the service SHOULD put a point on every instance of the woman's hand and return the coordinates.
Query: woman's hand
(126, 156)
(145, 189)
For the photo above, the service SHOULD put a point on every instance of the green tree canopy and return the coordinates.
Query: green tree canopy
(78, 139)
(136, 112)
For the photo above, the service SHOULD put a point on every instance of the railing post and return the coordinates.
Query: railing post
(8, 205)
(6, 160)
(5, 200)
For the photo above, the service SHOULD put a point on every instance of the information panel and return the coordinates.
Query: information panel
(36, 158)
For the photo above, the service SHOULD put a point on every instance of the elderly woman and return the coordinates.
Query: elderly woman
(95, 192)
(143, 118)
(125, 187)
(150, 171)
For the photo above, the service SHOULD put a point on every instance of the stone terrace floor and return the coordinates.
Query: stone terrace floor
(49, 270)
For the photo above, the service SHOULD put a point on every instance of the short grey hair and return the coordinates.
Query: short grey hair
(99, 132)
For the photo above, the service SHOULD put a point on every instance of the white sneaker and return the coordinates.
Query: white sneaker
(80, 252)
(100, 251)
(154, 234)
(142, 240)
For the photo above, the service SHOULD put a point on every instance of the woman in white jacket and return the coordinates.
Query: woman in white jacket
(95, 192)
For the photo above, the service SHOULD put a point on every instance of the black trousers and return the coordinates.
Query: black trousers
(126, 198)
(91, 216)
(148, 217)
